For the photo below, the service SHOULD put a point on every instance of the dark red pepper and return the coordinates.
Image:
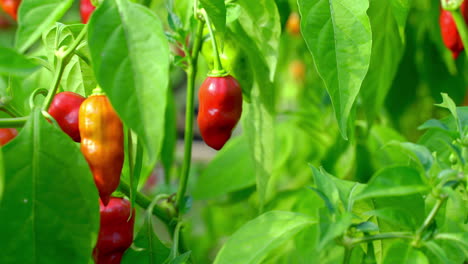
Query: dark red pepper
(220, 108)
(115, 231)
(86, 9)
(64, 109)
(7, 134)
(450, 35)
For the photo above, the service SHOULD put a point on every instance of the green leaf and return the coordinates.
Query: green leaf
(452, 107)
(216, 11)
(387, 24)
(338, 34)
(50, 203)
(35, 17)
(11, 62)
(130, 55)
(147, 247)
(261, 22)
(437, 251)
(2, 175)
(422, 152)
(394, 181)
(253, 241)
(401, 252)
(335, 229)
(237, 171)
(182, 259)
(260, 44)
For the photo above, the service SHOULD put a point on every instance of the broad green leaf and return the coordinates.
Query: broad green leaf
(261, 22)
(401, 252)
(387, 24)
(216, 10)
(260, 44)
(35, 17)
(147, 247)
(11, 62)
(394, 181)
(50, 209)
(253, 241)
(461, 239)
(438, 252)
(130, 56)
(423, 154)
(232, 169)
(338, 34)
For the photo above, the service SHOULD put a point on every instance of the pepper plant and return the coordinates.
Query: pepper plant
(336, 131)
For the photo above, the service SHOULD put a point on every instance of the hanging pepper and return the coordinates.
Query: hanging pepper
(86, 9)
(220, 108)
(7, 134)
(115, 231)
(64, 109)
(450, 35)
(102, 142)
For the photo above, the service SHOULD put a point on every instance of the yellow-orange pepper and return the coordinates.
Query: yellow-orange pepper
(102, 142)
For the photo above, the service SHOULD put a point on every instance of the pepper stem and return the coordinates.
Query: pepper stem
(218, 69)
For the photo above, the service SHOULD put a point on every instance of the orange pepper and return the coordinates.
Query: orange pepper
(102, 142)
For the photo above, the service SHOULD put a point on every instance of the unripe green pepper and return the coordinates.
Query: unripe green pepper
(102, 143)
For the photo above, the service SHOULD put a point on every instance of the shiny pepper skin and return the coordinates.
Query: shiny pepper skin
(115, 231)
(220, 108)
(7, 134)
(86, 9)
(11, 7)
(102, 143)
(64, 109)
(450, 35)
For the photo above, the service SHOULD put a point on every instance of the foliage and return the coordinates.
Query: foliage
(342, 154)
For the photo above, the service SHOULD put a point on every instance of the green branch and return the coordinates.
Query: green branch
(188, 137)
(145, 202)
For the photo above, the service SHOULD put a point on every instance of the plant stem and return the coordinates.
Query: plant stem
(188, 136)
(13, 122)
(144, 202)
(63, 57)
(347, 255)
(461, 27)
(391, 235)
(430, 217)
(218, 67)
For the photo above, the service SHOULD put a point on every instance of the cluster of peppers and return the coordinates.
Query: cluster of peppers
(450, 34)
(93, 122)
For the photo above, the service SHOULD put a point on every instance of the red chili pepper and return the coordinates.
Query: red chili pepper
(86, 9)
(11, 7)
(115, 232)
(450, 35)
(7, 134)
(64, 109)
(220, 109)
